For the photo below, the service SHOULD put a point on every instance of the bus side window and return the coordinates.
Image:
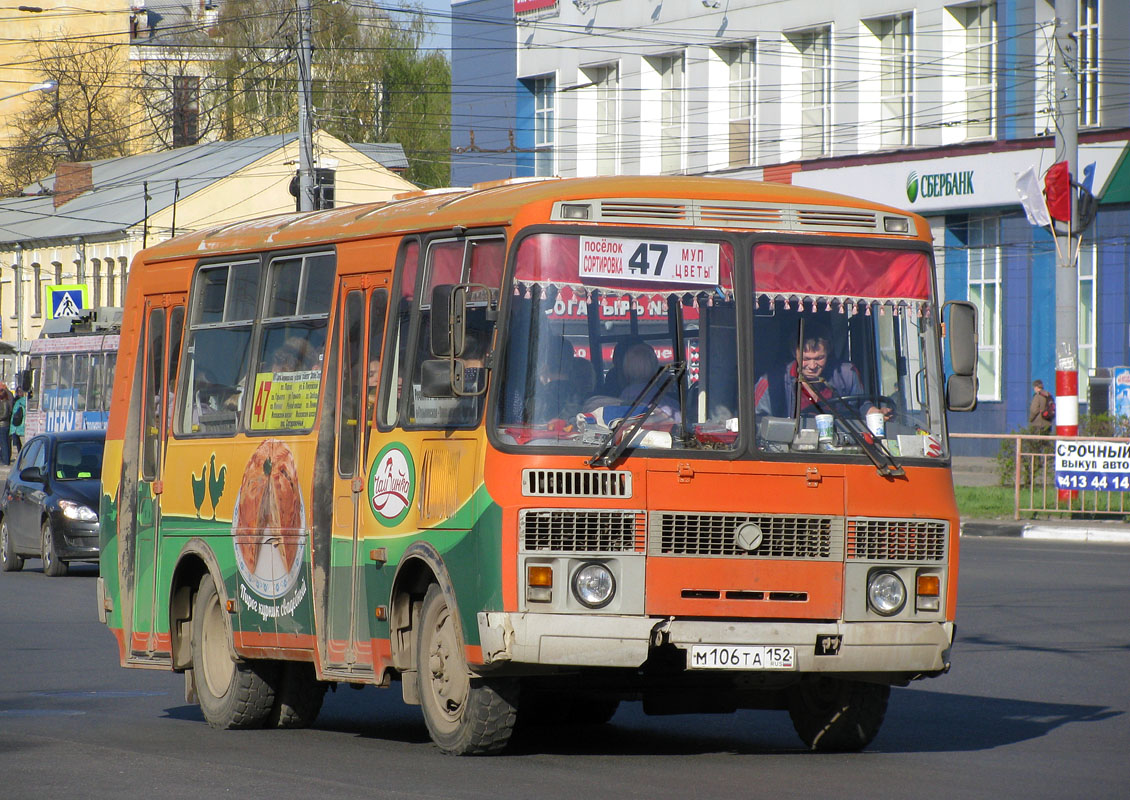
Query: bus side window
(288, 365)
(35, 364)
(349, 423)
(396, 354)
(217, 353)
(176, 330)
(378, 308)
(154, 383)
(81, 380)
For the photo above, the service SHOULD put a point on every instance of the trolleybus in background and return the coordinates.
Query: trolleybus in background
(70, 375)
(504, 446)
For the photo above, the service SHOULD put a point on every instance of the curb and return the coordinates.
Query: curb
(1050, 533)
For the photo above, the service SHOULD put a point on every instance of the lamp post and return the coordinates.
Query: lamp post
(45, 86)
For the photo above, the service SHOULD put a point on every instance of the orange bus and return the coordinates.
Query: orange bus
(537, 447)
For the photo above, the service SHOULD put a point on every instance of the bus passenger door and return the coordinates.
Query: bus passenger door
(164, 321)
(348, 638)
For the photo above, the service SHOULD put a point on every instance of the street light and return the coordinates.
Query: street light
(46, 86)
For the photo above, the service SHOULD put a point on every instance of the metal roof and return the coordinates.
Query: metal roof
(116, 202)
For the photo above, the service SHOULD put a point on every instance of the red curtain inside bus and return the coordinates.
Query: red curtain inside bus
(835, 271)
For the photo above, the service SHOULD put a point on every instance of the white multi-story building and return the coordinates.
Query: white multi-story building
(929, 105)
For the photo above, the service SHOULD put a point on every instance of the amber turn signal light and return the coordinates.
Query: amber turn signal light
(929, 585)
(539, 576)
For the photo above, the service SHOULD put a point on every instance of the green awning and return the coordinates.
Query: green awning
(1117, 189)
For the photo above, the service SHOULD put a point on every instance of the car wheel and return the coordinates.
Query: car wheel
(231, 694)
(9, 561)
(52, 566)
(465, 715)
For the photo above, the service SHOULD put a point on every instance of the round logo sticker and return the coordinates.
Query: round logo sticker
(392, 484)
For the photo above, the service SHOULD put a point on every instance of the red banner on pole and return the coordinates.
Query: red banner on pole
(1057, 187)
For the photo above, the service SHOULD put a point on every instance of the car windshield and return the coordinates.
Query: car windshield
(844, 349)
(78, 460)
(594, 322)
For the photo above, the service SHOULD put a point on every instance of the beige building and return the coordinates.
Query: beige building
(88, 220)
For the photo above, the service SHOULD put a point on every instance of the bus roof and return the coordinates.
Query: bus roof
(502, 203)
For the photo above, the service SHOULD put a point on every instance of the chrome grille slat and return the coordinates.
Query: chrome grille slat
(576, 483)
(817, 538)
(869, 539)
(571, 530)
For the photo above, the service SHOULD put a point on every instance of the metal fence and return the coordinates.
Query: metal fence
(1034, 488)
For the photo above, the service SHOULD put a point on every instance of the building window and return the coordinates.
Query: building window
(1088, 39)
(985, 293)
(186, 110)
(979, 24)
(1088, 322)
(606, 80)
(37, 289)
(544, 90)
(123, 265)
(671, 72)
(815, 48)
(58, 271)
(742, 63)
(96, 284)
(896, 80)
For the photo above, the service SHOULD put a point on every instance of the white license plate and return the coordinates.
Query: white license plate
(741, 656)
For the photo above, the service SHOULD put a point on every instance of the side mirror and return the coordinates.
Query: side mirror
(25, 380)
(32, 475)
(449, 319)
(961, 347)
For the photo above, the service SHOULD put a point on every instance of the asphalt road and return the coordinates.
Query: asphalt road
(1035, 706)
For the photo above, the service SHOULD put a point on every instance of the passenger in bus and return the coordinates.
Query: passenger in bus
(828, 381)
(614, 381)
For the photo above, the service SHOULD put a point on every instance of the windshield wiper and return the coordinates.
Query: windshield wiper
(875, 450)
(614, 446)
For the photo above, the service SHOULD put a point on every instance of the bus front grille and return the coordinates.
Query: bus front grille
(896, 539)
(570, 530)
(576, 483)
(775, 536)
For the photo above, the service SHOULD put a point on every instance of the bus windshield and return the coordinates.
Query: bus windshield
(570, 377)
(662, 348)
(845, 351)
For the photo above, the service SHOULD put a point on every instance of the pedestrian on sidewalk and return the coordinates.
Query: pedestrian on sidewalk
(6, 402)
(19, 414)
(1041, 410)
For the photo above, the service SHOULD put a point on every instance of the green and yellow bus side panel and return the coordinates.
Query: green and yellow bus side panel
(248, 501)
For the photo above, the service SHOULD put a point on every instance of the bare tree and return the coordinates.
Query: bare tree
(86, 118)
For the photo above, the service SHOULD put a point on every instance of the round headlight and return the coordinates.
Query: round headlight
(593, 585)
(886, 593)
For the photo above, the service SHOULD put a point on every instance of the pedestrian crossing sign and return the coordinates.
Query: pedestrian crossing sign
(66, 300)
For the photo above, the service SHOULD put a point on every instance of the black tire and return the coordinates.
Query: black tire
(465, 715)
(298, 696)
(833, 715)
(232, 695)
(542, 709)
(9, 561)
(52, 566)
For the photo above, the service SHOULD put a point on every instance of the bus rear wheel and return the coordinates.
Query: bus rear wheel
(231, 695)
(464, 715)
(834, 715)
(298, 696)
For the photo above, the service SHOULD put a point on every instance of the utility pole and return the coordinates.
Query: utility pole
(305, 134)
(1066, 266)
(19, 296)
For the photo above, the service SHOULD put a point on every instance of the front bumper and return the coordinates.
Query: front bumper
(75, 540)
(579, 640)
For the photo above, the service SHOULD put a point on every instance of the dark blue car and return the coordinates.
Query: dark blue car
(49, 504)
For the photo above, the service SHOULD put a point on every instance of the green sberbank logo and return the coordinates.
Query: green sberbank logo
(939, 184)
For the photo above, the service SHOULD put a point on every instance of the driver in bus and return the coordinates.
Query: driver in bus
(823, 382)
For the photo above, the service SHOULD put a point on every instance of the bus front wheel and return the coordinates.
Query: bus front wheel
(465, 715)
(231, 695)
(837, 715)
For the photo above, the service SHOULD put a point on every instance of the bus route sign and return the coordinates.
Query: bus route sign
(1099, 466)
